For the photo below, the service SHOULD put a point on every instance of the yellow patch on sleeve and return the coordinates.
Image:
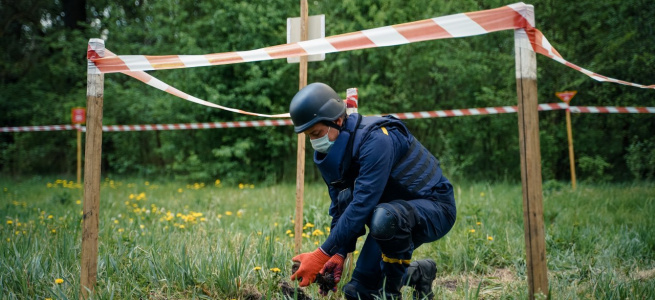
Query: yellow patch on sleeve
(384, 130)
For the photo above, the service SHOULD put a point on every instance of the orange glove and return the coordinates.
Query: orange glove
(333, 266)
(310, 264)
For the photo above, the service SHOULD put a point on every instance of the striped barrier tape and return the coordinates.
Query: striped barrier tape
(612, 110)
(512, 16)
(286, 122)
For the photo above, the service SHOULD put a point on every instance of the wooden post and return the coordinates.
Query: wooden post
(569, 133)
(79, 154)
(93, 150)
(300, 161)
(533, 219)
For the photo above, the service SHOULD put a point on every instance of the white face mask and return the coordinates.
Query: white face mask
(322, 144)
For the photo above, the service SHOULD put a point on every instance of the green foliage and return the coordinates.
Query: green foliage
(594, 169)
(641, 158)
(42, 76)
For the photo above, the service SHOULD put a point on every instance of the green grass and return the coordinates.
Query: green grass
(171, 240)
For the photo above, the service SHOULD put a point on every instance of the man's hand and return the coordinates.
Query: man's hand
(333, 267)
(310, 264)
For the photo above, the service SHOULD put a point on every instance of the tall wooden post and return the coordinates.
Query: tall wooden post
(569, 133)
(533, 219)
(300, 161)
(93, 150)
(79, 154)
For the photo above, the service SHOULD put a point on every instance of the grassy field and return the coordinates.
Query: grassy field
(171, 240)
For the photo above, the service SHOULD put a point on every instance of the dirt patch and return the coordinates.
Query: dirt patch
(499, 277)
(645, 275)
(291, 292)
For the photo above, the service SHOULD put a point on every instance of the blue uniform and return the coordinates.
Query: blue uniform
(376, 162)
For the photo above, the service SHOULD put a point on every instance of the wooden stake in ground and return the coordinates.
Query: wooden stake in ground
(93, 150)
(533, 219)
(300, 160)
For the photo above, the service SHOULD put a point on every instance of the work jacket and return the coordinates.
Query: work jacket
(373, 160)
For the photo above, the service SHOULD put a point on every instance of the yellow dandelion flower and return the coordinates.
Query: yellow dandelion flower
(257, 268)
(203, 219)
(491, 238)
(179, 190)
(252, 186)
(288, 231)
(50, 217)
(481, 194)
(59, 281)
(259, 233)
(54, 231)
(309, 225)
(182, 226)
(121, 229)
(241, 186)
(291, 235)
(317, 232)
(9, 222)
(228, 213)
(78, 202)
(131, 196)
(472, 231)
(316, 243)
(275, 270)
(142, 226)
(478, 223)
(115, 221)
(275, 224)
(147, 183)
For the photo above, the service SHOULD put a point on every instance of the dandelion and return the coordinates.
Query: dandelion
(316, 243)
(491, 238)
(317, 232)
(142, 226)
(481, 194)
(478, 223)
(241, 186)
(182, 226)
(275, 270)
(50, 217)
(288, 231)
(252, 186)
(59, 281)
(255, 268)
(275, 224)
(179, 190)
(115, 221)
(9, 222)
(131, 196)
(54, 231)
(217, 182)
(147, 183)
(472, 231)
(78, 202)
(228, 213)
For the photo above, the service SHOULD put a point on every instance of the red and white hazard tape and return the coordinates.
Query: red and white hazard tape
(472, 111)
(238, 124)
(512, 16)
(38, 128)
(612, 110)
(405, 115)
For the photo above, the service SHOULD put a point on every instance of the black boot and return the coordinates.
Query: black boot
(391, 288)
(421, 274)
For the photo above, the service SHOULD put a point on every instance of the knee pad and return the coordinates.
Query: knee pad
(384, 223)
(392, 220)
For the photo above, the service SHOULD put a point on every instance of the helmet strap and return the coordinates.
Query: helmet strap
(332, 124)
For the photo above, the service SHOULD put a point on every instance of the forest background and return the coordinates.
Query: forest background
(43, 69)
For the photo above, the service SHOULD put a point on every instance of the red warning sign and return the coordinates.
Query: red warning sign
(78, 115)
(566, 96)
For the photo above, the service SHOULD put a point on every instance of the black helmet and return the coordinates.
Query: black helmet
(314, 103)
